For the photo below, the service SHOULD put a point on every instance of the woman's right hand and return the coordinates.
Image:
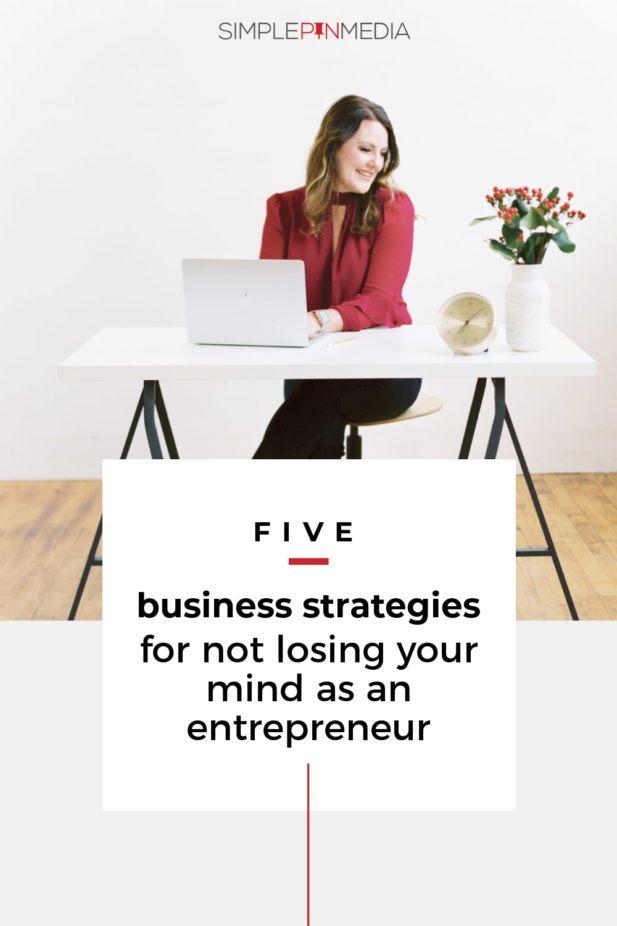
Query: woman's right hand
(313, 324)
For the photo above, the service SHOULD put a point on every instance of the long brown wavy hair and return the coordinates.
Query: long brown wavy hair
(340, 123)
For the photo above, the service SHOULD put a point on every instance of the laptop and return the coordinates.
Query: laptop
(247, 302)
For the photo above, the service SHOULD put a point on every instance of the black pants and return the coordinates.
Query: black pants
(311, 422)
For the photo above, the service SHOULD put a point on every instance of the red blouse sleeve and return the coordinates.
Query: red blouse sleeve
(275, 234)
(381, 300)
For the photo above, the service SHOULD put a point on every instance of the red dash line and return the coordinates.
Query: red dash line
(309, 561)
(308, 845)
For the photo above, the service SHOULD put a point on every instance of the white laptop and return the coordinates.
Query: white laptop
(249, 302)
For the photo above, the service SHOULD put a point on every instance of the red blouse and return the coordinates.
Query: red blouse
(364, 278)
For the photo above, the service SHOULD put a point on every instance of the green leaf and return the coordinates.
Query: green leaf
(553, 223)
(541, 249)
(530, 252)
(521, 205)
(563, 242)
(486, 218)
(501, 249)
(553, 194)
(533, 219)
(510, 233)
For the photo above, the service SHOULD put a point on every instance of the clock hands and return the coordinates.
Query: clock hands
(471, 317)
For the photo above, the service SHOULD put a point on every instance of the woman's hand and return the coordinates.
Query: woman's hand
(335, 323)
(313, 324)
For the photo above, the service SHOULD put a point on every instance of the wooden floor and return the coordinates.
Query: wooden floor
(46, 529)
(581, 510)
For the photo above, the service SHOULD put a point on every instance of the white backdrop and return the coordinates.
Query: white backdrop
(133, 137)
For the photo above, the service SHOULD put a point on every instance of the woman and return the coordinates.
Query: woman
(354, 234)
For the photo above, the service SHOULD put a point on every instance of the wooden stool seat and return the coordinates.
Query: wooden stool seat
(424, 405)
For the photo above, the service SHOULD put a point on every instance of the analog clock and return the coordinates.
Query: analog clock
(466, 323)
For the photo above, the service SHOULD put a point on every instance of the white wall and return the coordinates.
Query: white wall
(133, 137)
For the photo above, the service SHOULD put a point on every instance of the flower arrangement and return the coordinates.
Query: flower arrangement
(531, 221)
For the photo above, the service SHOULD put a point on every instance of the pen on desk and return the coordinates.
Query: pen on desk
(342, 341)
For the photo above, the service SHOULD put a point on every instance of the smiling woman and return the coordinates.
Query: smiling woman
(362, 157)
(354, 233)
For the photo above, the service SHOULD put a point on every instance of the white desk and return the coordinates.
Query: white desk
(149, 355)
(378, 353)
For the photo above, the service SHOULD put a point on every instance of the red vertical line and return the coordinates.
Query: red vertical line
(308, 844)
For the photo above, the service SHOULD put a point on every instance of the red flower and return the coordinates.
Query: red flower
(570, 195)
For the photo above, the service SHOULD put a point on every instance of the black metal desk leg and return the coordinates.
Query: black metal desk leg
(165, 424)
(150, 399)
(150, 391)
(133, 427)
(498, 419)
(472, 419)
(550, 546)
(92, 560)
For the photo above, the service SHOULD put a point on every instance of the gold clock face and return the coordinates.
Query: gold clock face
(467, 323)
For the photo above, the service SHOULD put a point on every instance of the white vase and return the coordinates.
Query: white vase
(528, 308)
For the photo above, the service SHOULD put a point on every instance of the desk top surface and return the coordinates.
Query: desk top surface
(115, 354)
